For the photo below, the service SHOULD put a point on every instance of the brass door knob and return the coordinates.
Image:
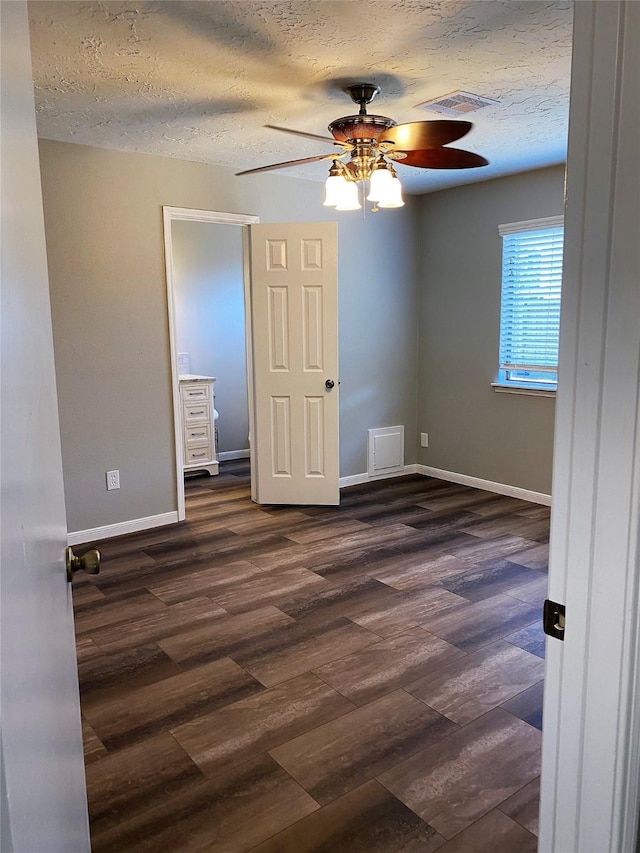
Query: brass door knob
(89, 563)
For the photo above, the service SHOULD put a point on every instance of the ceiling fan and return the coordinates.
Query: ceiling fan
(369, 144)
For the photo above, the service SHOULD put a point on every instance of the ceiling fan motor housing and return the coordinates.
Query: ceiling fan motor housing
(365, 127)
(362, 127)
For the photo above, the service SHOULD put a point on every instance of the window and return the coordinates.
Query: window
(530, 312)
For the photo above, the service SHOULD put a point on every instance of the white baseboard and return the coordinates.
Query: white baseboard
(78, 537)
(227, 455)
(356, 479)
(487, 485)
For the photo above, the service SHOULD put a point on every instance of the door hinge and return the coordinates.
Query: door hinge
(553, 619)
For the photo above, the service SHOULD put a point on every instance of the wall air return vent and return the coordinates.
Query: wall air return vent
(457, 103)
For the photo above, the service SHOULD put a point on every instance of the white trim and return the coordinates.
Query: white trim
(248, 342)
(228, 455)
(591, 740)
(187, 213)
(452, 477)
(357, 479)
(487, 485)
(169, 214)
(531, 225)
(501, 388)
(79, 537)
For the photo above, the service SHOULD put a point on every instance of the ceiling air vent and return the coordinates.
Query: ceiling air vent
(457, 103)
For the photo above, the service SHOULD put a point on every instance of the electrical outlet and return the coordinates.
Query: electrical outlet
(424, 439)
(113, 480)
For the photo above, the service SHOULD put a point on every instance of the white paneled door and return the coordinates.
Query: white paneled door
(294, 330)
(43, 804)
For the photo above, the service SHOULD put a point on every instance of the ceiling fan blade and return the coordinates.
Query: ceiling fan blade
(289, 163)
(301, 133)
(425, 134)
(443, 158)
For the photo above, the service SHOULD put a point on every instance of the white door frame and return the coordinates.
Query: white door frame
(591, 742)
(169, 215)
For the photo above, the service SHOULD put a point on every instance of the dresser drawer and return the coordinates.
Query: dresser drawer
(197, 434)
(197, 413)
(195, 391)
(198, 455)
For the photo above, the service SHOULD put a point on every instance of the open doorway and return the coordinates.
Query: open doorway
(291, 338)
(208, 309)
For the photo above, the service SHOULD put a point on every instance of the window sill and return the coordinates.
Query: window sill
(512, 388)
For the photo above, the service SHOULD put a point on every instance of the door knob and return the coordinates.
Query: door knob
(329, 384)
(89, 563)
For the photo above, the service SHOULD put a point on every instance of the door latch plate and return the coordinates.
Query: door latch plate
(553, 619)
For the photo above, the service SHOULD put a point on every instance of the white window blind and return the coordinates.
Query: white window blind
(531, 291)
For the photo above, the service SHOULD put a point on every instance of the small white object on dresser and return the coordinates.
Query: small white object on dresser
(198, 423)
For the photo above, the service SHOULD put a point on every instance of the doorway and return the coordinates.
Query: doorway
(193, 235)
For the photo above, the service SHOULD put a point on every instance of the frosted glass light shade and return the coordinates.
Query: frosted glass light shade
(349, 199)
(334, 190)
(393, 196)
(379, 185)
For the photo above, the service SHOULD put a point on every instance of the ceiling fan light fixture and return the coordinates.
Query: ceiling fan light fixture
(341, 190)
(380, 181)
(349, 197)
(334, 190)
(337, 188)
(393, 196)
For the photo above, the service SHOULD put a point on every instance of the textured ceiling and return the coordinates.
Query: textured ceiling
(199, 80)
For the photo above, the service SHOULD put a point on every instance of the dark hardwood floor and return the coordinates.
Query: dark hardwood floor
(358, 678)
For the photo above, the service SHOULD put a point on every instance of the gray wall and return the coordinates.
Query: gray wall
(472, 429)
(210, 320)
(103, 222)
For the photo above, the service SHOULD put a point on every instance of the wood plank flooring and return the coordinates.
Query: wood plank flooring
(365, 677)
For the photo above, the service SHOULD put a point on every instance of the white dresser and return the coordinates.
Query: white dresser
(198, 423)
